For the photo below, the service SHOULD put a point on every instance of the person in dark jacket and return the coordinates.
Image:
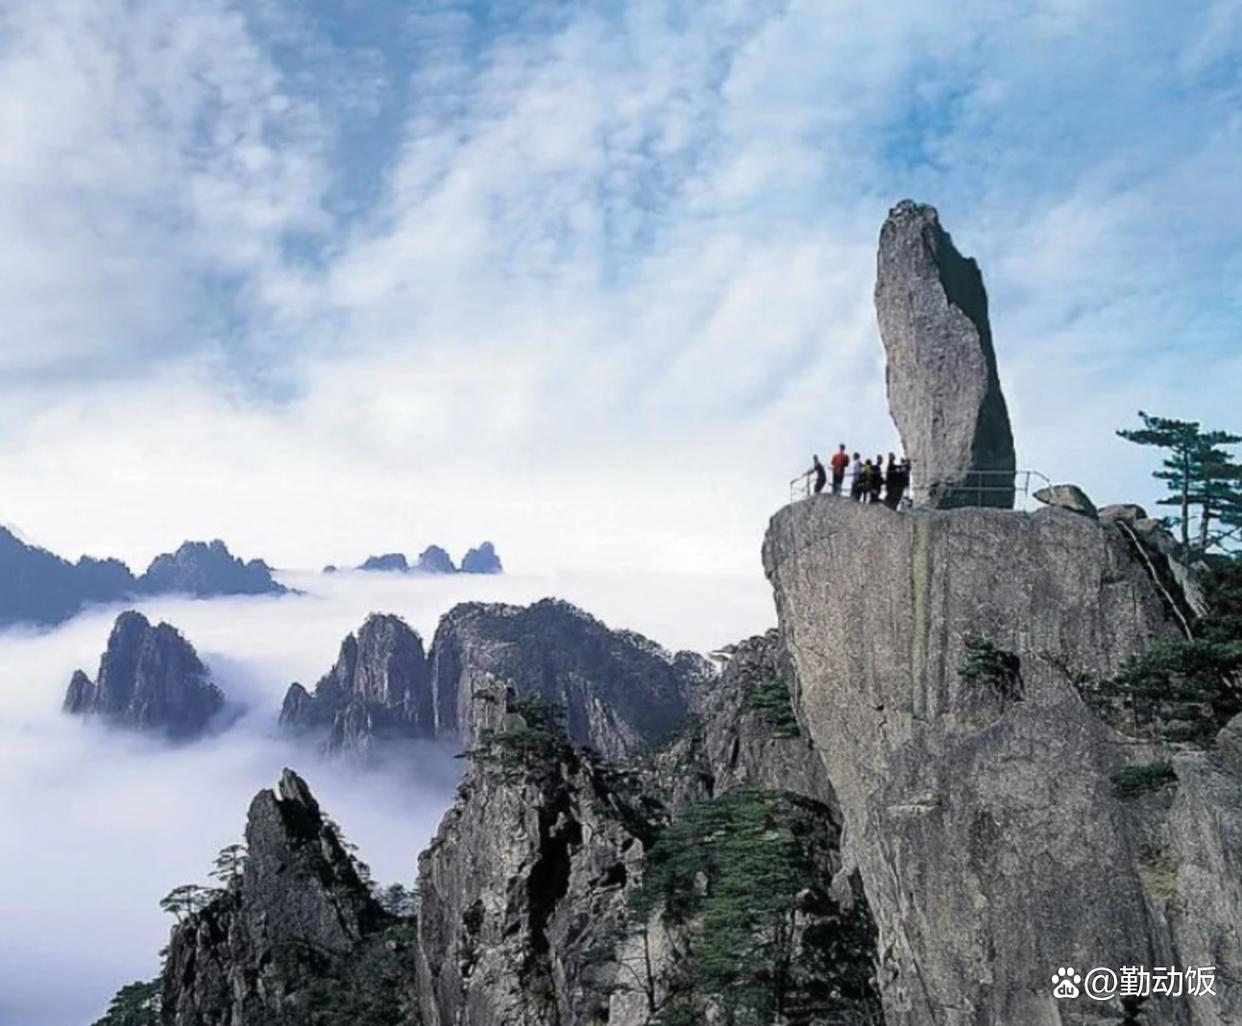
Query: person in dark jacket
(892, 482)
(875, 482)
(821, 475)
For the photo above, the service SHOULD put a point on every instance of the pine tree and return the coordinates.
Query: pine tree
(1199, 472)
(187, 900)
(135, 1004)
(229, 863)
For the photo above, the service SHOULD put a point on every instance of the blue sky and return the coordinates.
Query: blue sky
(592, 280)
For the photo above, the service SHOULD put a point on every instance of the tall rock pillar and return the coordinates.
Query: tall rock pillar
(943, 389)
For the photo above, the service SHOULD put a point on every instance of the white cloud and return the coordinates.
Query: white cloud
(614, 286)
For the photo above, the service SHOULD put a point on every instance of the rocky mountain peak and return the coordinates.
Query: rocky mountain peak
(620, 691)
(434, 560)
(482, 560)
(379, 688)
(40, 587)
(389, 561)
(207, 569)
(150, 678)
(943, 388)
(297, 937)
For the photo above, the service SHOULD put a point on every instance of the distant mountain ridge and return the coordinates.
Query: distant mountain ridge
(40, 587)
(434, 560)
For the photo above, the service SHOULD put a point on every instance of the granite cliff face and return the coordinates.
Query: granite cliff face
(523, 891)
(943, 388)
(296, 938)
(620, 691)
(150, 678)
(991, 845)
(378, 691)
(742, 730)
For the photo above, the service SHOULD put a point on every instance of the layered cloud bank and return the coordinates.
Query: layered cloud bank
(569, 267)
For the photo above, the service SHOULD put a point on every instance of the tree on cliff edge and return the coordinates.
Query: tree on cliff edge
(1201, 474)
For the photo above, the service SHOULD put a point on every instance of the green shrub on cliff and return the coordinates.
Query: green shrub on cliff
(770, 700)
(991, 667)
(1141, 779)
(530, 744)
(1185, 691)
(135, 1004)
(742, 879)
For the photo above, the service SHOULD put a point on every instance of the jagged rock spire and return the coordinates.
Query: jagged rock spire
(943, 389)
(149, 677)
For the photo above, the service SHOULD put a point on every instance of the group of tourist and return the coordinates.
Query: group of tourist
(872, 480)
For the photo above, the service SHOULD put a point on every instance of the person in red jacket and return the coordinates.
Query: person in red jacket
(840, 461)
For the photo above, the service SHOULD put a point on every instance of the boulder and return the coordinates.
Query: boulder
(1067, 496)
(943, 388)
(1127, 512)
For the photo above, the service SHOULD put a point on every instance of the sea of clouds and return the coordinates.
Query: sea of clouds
(98, 825)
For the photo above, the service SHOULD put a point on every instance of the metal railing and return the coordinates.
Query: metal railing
(973, 490)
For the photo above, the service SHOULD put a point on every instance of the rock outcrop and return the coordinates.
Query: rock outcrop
(482, 560)
(524, 891)
(295, 938)
(1067, 496)
(980, 809)
(206, 569)
(742, 730)
(943, 388)
(379, 690)
(620, 691)
(150, 678)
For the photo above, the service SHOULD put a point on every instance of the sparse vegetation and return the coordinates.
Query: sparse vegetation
(770, 700)
(987, 666)
(135, 1004)
(229, 863)
(187, 900)
(531, 745)
(1185, 691)
(1141, 779)
(739, 879)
